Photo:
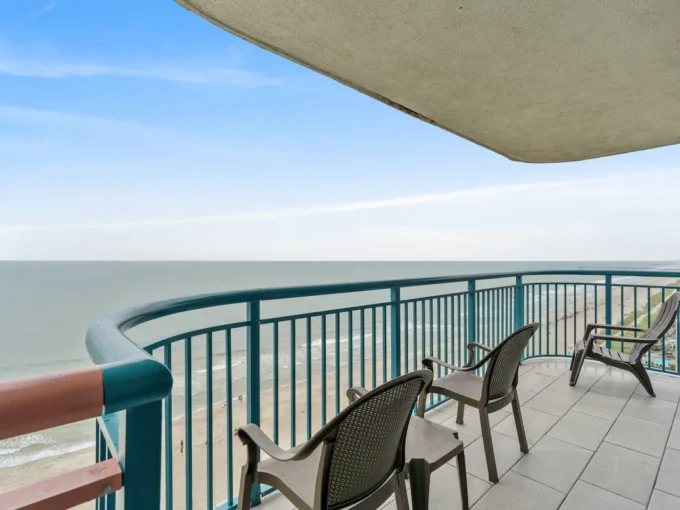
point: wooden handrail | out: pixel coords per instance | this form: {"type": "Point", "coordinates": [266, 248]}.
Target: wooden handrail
{"type": "Point", "coordinates": [67, 490]}
{"type": "Point", "coordinates": [38, 403]}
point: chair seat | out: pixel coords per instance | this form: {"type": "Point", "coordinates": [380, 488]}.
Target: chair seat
{"type": "Point", "coordinates": [601, 353]}
{"type": "Point", "coordinates": [431, 442]}
{"type": "Point", "coordinates": [461, 386]}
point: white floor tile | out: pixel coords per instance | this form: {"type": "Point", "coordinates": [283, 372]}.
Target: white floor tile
{"type": "Point", "coordinates": [601, 405]}
{"type": "Point", "coordinates": [668, 475]}
{"type": "Point", "coordinates": [505, 448]}
{"type": "Point", "coordinates": [516, 492]}
{"type": "Point", "coordinates": [581, 429]}
{"type": "Point", "coordinates": [651, 409]}
{"type": "Point", "coordinates": [624, 472]}
{"type": "Point", "coordinates": [554, 463]}
{"type": "Point", "coordinates": [662, 501]}
{"type": "Point", "coordinates": [585, 497]}
{"type": "Point", "coordinates": [639, 435]}
{"type": "Point", "coordinates": [536, 425]}
{"type": "Point", "coordinates": [553, 402]}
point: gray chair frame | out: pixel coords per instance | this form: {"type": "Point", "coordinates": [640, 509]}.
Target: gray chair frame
{"type": "Point", "coordinates": [589, 348]}
{"type": "Point", "coordinates": [290, 471]}
{"type": "Point", "coordinates": [428, 447]}
{"type": "Point", "coordinates": [486, 403]}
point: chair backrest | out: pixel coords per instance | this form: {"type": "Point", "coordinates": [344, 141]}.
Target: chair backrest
{"type": "Point", "coordinates": [367, 445]}
{"type": "Point", "coordinates": [502, 370]}
{"type": "Point", "coordinates": [663, 322]}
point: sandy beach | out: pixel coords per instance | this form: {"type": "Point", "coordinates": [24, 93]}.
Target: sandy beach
{"type": "Point", "coordinates": [569, 324]}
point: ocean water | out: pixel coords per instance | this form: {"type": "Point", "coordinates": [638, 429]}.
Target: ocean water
{"type": "Point", "coordinates": [46, 307]}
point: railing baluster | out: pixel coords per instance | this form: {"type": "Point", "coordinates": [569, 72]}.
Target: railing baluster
{"type": "Point", "coordinates": [459, 327]}
{"type": "Point", "coordinates": [362, 350]}
{"type": "Point", "coordinates": [374, 366]}
{"type": "Point", "coordinates": [275, 380]}
{"type": "Point", "coordinates": [230, 420]}
{"type": "Point", "coordinates": [337, 363]}
{"type": "Point", "coordinates": [415, 335]}
{"type": "Point", "coordinates": [350, 349]}
{"type": "Point", "coordinates": [406, 348]}
{"type": "Point", "coordinates": [293, 383]}
{"type": "Point", "coordinates": [188, 436]}
{"type": "Point", "coordinates": [557, 329]}
{"type": "Point", "coordinates": [608, 306]}
{"type": "Point", "coordinates": [309, 378]}
{"type": "Point", "coordinates": [663, 339]}
{"type": "Point", "coordinates": [470, 312]}
{"type": "Point", "coordinates": [209, 419]}
{"type": "Point", "coordinates": [323, 370]}
{"type": "Point", "coordinates": [253, 353]}
{"type": "Point", "coordinates": [395, 331]}
{"type": "Point", "coordinates": [384, 343]}
{"type": "Point", "coordinates": [167, 359]}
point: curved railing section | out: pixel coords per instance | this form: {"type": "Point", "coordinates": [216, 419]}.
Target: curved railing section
{"type": "Point", "coordinates": [286, 368]}
{"type": "Point", "coordinates": [283, 357]}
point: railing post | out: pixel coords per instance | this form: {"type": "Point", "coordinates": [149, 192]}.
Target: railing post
{"type": "Point", "coordinates": [140, 457]}
{"type": "Point", "coordinates": [471, 314]}
{"type": "Point", "coordinates": [253, 376]}
{"type": "Point", "coordinates": [519, 303]}
{"type": "Point", "coordinates": [395, 325]}
{"type": "Point", "coordinates": [608, 305]}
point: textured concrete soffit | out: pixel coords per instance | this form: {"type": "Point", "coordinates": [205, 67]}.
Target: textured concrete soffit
{"type": "Point", "coordinates": [534, 80]}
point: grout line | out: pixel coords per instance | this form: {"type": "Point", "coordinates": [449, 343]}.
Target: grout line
{"type": "Point", "coordinates": [664, 492]}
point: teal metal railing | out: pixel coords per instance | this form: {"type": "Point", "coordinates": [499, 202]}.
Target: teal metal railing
{"type": "Point", "coordinates": [288, 372]}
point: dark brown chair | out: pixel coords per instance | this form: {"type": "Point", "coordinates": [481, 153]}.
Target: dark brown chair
{"type": "Point", "coordinates": [358, 458]}
{"type": "Point", "coordinates": [589, 348]}
{"type": "Point", "coordinates": [488, 394]}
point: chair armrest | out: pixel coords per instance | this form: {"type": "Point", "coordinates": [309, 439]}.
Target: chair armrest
{"type": "Point", "coordinates": [471, 347]}
{"type": "Point", "coordinates": [252, 434]}
{"type": "Point", "coordinates": [627, 339]}
{"type": "Point", "coordinates": [591, 327]}
{"type": "Point", "coordinates": [429, 364]}
{"type": "Point", "coordinates": [355, 393]}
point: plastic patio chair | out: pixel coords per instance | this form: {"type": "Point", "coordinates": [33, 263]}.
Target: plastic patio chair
{"type": "Point", "coordinates": [589, 348]}
{"type": "Point", "coordinates": [358, 458]}
{"type": "Point", "coordinates": [428, 447]}
{"type": "Point", "coordinates": [488, 394]}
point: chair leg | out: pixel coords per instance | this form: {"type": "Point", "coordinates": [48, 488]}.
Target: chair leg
{"type": "Point", "coordinates": [577, 365]}
{"type": "Point", "coordinates": [246, 489]}
{"type": "Point", "coordinates": [461, 412]}
{"type": "Point", "coordinates": [419, 475]}
{"type": "Point", "coordinates": [488, 445]}
{"type": "Point", "coordinates": [643, 377]}
{"type": "Point", "coordinates": [519, 423]}
{"type": "Point", "coordinates": [422, 402]}
{"type": "Point", "coordinates": [462, 480]}
{"type": "Point", "coordinates": [400, 495]}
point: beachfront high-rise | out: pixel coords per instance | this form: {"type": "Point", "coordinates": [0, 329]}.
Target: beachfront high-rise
{"type": "Point", "coordinates": [537, 82]}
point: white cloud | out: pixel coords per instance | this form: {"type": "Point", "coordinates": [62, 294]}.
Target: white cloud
{"type": "Point", "coordinates": [46, 8]}
{"type": "Point", "coordinates": [304, 212]}
{"type": "Point", "coordinates": [567, 220]}
{"type": "Point", "coordinates": [52, 65]}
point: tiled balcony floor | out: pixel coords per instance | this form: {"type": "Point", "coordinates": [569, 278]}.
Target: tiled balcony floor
{"type": "Point", "coordinates": [604, 444]}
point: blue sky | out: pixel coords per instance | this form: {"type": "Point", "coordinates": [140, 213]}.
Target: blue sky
{"type": "Point", "coordinates": [137, 130]}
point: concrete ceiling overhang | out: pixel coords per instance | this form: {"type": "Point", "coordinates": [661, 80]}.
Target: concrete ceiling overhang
{"type": "Point", "coordinates": [535, 80]}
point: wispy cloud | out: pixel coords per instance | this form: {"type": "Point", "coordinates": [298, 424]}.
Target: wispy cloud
{"type": "Point", "coordinates": [47, 8]}
{"type": "Point", "coordinates": [303, 212]}
{"type": "Point", "coordinates": [55, 66]}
